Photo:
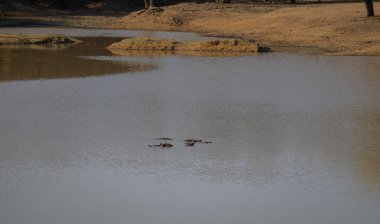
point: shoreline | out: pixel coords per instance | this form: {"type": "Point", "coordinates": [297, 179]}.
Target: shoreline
{"type": "Point", "coordinates": [327, 29]}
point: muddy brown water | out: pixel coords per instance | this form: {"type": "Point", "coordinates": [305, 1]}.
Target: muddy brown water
{"type": "Point", "coordinates": [296, 137]}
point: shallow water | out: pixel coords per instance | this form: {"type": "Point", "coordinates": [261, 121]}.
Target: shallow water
{"type": "Point", "coordinates": [295, 137]}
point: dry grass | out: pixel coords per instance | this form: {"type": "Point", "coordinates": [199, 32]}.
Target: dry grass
{"type": "Point", "coordinates": [340, 28]}
{"type": "Point", "coordinates": [32, 39]}
{"type": "Point", "coordinates": [157, 44]}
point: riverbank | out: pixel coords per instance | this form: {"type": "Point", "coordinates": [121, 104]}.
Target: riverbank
{"type": "Point", "coordinates": [337, 29]}
{"type": "Point", "coordinates": [37, 39]}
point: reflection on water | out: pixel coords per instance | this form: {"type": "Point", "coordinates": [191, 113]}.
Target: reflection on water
{"type": "Point", "coordinates": [367, 169]}
{"type": "Point", "coordinates": [366, 162]}
{"type": "Point", "coordinates": [62, 61]}
{"type": "Point", "coordinates": [295, 140]}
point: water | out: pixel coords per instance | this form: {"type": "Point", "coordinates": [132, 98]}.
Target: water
{"type": "Point", "coordinates": [295, 137]}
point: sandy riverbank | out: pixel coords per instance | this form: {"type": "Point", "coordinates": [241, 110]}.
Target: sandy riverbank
{"type": "Point", "coordinates": [340, 29]}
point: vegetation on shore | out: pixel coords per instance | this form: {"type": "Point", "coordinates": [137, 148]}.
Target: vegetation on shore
{"type": "Point", "coordinates": [157, 44]}
{"type": "Point", "coordinates": [31, 39]}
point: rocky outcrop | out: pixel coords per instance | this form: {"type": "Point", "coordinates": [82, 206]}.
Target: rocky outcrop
{"type": "Point", "coordinates": [228, 45]}
{"type": "Point", "coordinates": [156, 44]}
{"type": "Point", "coordinates": [35, 39]}
{"type": "Point", "coordinates": [142, 43]}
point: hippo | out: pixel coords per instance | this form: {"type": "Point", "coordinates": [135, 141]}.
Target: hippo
{"type": "Point", "coordinates": [162, 145]}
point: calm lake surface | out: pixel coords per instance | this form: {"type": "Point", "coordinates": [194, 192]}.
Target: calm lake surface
{"type": "Point", "coordinates": [296, 137]}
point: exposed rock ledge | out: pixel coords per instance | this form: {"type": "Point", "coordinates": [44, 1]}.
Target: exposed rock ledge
{"type": "Point", "coordinates": [30, 39]}
{"type": "Point", "coordinates": [156, 44]}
